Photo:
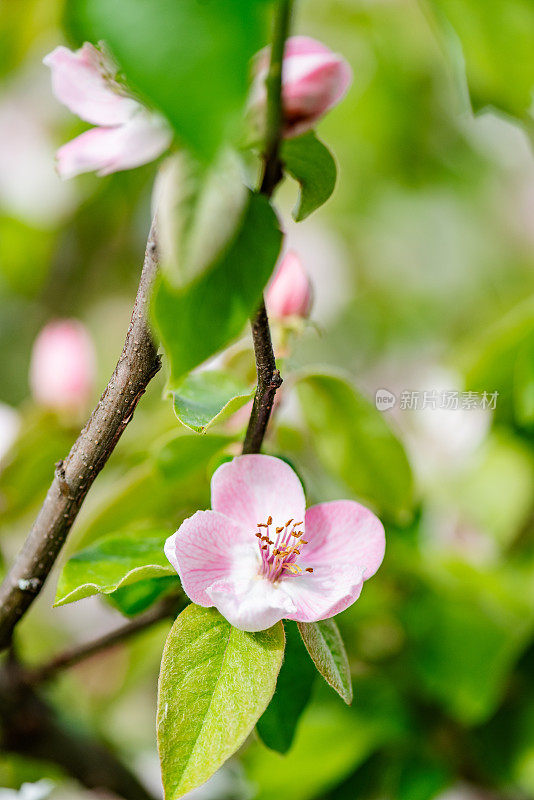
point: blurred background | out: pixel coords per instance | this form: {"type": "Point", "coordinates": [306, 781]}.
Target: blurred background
{"type": "Point", "coordinates": [423, 271]}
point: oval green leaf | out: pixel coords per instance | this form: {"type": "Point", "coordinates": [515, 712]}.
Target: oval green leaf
{"type": "Point", "coordinates": [215, 682]}
{"type": "Point", "coordinates": [206, 315]}
{"type": "Point", "coordinates": [324, 644]}
{"type": "Point", "coordinates": [205, 398]}
{"type": "Point", "coordinates": [311, 163]}
{"type": "Point", "coordinates": [112, 562]}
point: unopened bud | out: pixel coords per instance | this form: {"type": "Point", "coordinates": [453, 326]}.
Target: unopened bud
{"type": "Point", "coordinates": [62, 369]}
{"type": "Point", "coordinates": [289, 293]}
{"type": "Point", "coordinates": [314, 79]}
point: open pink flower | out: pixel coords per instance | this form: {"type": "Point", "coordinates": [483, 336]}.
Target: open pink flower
{"type": "Point", "coordinates": [289, 293]}
{"type": "Point", "coordinates": [314, 79]}
{"type": "Point", "coordinates": [259, 556]}
{"type": "Point", "coordinates": [128, 134]}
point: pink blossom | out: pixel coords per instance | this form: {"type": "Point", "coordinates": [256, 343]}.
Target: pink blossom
{"type": "Point", "coordinates": [289, 293]}
{"type": "Point", "coordinates": [127, 134]}
{"type": "Point", "coordinates": [259, 556]}
{"type": "Point", "coordinates": [314, 79]}
{"type": "Point", "coordinates": [62, 369]}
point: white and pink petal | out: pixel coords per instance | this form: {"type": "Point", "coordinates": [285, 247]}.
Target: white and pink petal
{"type": "Point", "coordinates": [105, 150]}
{"type": "Point", "coordinates": [251, 605]}
{"type": "Point", "coordinates": [251, 488]}
{"type": "Point", "coordinates": [343, 531]}
{"type": "Point", "coordinates": [330, 589]}
{"type": "Point", "coordinates": [207, 548]}
{"type": "Point", "coordinates": [80, 83]}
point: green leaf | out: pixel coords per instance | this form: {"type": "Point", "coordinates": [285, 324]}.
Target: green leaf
{"type": "Point", "coordinates": [311, 163]}
{"type": "Point", "coordinates": [194, 199]}
{"type": "Point", "coordinates": [215, 681]}
{"type": "Point", "coordinates": [356, 444]}
{"type": "Point", "coordinates": [208, 397]}
{"type": "Point", "coordinates": [497, 42]}
{"type": "Point", "coordinates": [189, 58]}
{"type": "Point", "coordinates": [112, 562]}
{"type": "Point", "coordinates": [188, 456]}
{"type": "Point", "coordinates": [278, 723]}
{"type": "Point", "coordinates": [332, 740]}
{"type": "Point", "coordinates": [324, 644]}
{"type": "Point", "coordinates": [137, 597]}
{"type": "Point", "coordinates": [197, 321]}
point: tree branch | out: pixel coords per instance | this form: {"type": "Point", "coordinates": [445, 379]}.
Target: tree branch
{"type": "Point", "coordinates": [169, 607]}
{"type": "Point", "coordinates": [137, 365]}
{"type": "Point", "coordinates": [269, 379]}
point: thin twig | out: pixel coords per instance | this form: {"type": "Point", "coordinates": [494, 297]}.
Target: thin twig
{"type": "Point", "coordinates": [269, 379]}
{"type": "Point", "coordinates": [166, 608]}
{"type": "Point", "coordinates": [73, 477]}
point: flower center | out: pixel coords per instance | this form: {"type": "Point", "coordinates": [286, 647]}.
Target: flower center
{"type": "Point", "coordinates": [279, 550]}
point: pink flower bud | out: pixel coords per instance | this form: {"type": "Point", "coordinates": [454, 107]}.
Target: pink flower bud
{"type": "Point", "coordinates": [63, 363]}
{"type": "Point", "coordinates": [313, 81]}
{"type": "Point", "coordinates": [290, 293]}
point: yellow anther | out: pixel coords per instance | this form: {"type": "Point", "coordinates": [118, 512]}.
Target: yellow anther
{"type": "Point", "coordinates": [309, 569]}
{"type": "Point", "coordinates": [294, 568]}
{"type": "Point", "coordinates": [270, 521]}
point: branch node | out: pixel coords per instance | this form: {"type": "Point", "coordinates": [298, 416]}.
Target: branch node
{"type": "Point", "coordinates": [64, 487]}
{"type": "Point", "coordinates": [31, 585]}
{"type": "Point", "coordinates": [276, 380]}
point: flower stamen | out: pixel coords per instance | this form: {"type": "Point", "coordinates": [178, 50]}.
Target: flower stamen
{"type": "Point", "coordinates": [278, 556]}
